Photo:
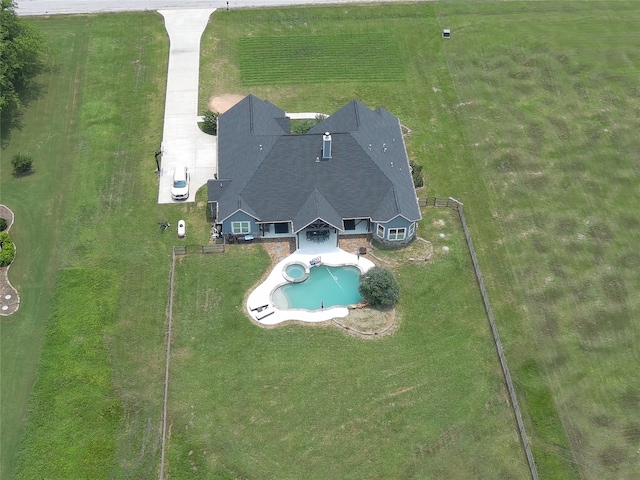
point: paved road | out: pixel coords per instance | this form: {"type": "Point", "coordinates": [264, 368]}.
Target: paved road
{"type": "Point", "coordinates": [54, 7]}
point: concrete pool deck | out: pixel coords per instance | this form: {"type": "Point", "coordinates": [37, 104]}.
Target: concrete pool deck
{"type": "Point", "coordinates": [261, 296]}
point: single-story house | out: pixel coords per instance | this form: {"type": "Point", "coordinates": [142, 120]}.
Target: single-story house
{"type": "Point", "coordinates": [348, 175]}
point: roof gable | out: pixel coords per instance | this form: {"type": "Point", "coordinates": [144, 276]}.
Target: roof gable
{"type": "Point", "coordinates": [316, 207]}
{"type": "Point", "coordinates": [347, 119]}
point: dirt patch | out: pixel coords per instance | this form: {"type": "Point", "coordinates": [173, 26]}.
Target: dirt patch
{"type": "Point", "coordinates": [418, 251]}
{"type": "Point", "coordinates": [438, 223]}
{"type": "Point", "coordinates": [611, 457]}
{"type": "Point", "coordinates": [222, 103]}
{"type": "Point", "coordinates": [368, 322]}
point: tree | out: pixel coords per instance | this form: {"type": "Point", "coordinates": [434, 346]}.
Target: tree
{"type": "Point", "coordinates": [22, 50]}
{"type": "Point", "coordinates": [22, 163]}
{"type": "Point", "coordinates": [379, 287]}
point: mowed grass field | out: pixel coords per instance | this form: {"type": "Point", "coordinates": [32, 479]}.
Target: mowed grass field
{"type": "Point", "coordinates": [91, 267]}
{"type": "Point", "coordinates": [315, 402]}
{"type": "Point", "coordinates": [373, 57]}
{"type": "Point", "coordinates": [36, 201]}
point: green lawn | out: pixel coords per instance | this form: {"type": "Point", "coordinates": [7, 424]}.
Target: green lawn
{"type": "Point", "coordinates": [38, 201]}
{"type": "Point", "coordinates": [314, 402]}
{"type": "Point", "coordinates": [374, 57]}
{"type": "Point", "coordinates": [87, 223]}
{"type": "Point", "coordinates": [529, 114]}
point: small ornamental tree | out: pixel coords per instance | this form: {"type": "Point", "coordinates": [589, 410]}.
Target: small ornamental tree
{"type": "Point", "coordinates": [7, 249]}
{"type": "Point", "coordinates": [303, 126]}
{"type": "Point", "coordinates": [379, 287]}
{"type": "Point", "coordinates": [22, 163]}
{"type": "Point", "coordinates": [416, 174]}
{"type": "Point", "coordinates": [210, 124]}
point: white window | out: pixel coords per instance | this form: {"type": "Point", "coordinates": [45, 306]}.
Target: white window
{"type": "Point", "coordinates": [397, 233]}
{"type": "Point", "coordinates": [240, 227]}
{"type": "Point", "coordinates": [412, 229]}
{"type": "Point", "coordinates": [380, 231]}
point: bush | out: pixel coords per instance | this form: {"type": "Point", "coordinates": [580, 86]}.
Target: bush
{"type": "Point", "coordinates": [8, 250]}
{"type": "Point", "coordinates": [3, 224]}
{"type": "Point", "coordinates": [303, 126]}
{"type": "Point", "coordinates": [22, 163]}
{"type": "Point", "coordinates": [416, 174]}
{"type": "Point", "coordinates": [210, 124]}
{"type": "Point", "coordinates": [379, 287]}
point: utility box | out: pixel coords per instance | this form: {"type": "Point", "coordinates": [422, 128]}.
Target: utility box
{"type": "Point", "coordinates": [446, 33]}
{"type": "Point", "coordinates": [182, 229]}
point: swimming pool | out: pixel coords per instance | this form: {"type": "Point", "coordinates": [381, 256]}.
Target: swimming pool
{"type": "Point", "coordinates": [295, 272]}
{"type": "Point", "coordinates": [325, 287]}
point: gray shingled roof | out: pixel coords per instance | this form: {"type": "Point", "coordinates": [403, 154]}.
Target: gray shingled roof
{"type": "Point", "coordinates": [276, 176]}
{"type": "Point", "coordinates": [316, 207]}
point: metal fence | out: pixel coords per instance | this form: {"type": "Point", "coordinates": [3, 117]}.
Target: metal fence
{"type": "Point", "coordinates": [438, 202]}
{"type": "Point", "coordinates": [213, 248]}
{"type": "Point", "coordinates": [457, 205]}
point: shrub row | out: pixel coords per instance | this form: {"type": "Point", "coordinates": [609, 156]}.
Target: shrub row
{"type": "Point", "coordinates": [8, 249]}
{"type": "Point", "coordinates": [416, 174]}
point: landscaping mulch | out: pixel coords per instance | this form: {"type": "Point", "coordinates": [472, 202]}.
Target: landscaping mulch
{"type": "Point", "coordinates": [9, 297]}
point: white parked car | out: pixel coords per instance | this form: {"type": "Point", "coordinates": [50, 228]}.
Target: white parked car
{"type": "Point", "coordinates": [180, 185]}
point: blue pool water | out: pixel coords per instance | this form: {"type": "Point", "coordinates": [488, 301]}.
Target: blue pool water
{"type": "Point", "coordinates": [328, 286]}
{"type": "Point", "coordinates": [295, 270]}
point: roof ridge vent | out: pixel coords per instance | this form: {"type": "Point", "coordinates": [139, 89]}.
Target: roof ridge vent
{"type": "Point", "coordinates": [326, 146]}
{"type": "Point", "coordinates": [251, 114]}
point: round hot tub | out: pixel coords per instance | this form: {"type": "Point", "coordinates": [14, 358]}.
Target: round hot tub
{"type": "Point", "coordinates": [295, 272]}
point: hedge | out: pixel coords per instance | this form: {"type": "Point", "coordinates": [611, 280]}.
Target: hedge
{"type": "Point", "coordinates": [8, 249]}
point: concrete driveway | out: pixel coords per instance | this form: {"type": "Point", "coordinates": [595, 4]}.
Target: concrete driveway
{"type": "Point", "coordinates": [183, 143]}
